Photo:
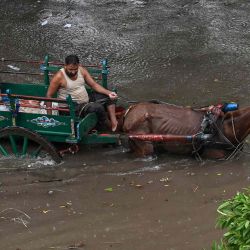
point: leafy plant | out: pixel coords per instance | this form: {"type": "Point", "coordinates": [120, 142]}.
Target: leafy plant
{"type": "Point", "coordinates": [234, 216]}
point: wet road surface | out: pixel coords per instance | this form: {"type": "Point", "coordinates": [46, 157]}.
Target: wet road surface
{"type": "Point", "coordinates": [183, 52]}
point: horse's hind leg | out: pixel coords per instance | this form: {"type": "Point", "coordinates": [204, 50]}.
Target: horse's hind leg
{"type": "Point", "coordinates": [141, 148]}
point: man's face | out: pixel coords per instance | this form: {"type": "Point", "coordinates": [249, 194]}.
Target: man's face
{"type": "Point", "coordinates": [71, 70]}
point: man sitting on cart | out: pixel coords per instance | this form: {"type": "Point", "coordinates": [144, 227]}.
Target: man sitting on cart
{"type": "Point", "coordinates": [70, 80]}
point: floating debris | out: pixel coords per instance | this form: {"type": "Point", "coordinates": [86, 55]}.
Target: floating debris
{"type": "Point", "coordinates": [138, 186]}
{"type": "Point", "coordinates": [166, 179]}
{"type": "Point", "coordinates": [195, 188]}
{"type": "Point", "coordinates": [44, 22]}
{"type": "Point", "coordinates": [13, 67]}
{"type": "Point", "coordinates": [68, 25]}
{"type": "Point", "coordinates": [46, 211]}
{"type": "Point", "coordinates": [109, 189]}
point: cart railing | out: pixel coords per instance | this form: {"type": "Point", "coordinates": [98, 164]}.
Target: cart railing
{"type": "Point", "coordinates": [20, 105]}
{"type": "Point", "coordinates": [14, 111]}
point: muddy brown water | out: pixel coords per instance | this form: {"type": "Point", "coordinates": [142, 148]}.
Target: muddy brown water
{"type": "Point", "coordinates": [183, 52]}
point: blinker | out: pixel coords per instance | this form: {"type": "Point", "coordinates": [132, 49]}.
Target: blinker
{"type": "Point", "coordinates": [230, 107]}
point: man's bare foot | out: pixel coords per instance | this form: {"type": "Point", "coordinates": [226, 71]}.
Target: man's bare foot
{"type": "Point", "coordinates": [114, 126]}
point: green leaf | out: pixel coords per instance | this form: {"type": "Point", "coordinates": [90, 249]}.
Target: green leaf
{"type": "Point", "coordinates": [234, 216]}
{"type": "Point", "coordinates": [227, 234]}
{"type": "Point", "coordinates": [109, 189]}
{"type": "Point", "coordinates": [224, 204]}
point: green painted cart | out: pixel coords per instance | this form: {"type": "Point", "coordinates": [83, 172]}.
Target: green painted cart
{"type": "Point", "coordinates": [25, 127]}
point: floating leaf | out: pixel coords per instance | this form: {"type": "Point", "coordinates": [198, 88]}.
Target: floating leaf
{"type": "Point", "coordinates": [46, 211]}
{"type": "Point", "coordinates": [109, 189]}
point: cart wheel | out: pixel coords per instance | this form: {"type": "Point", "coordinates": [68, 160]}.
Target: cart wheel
{"type": "Point", "coordinates": [22, 142]}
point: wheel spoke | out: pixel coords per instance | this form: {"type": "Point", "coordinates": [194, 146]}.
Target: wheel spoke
{"type": "Point", "coordinates": [25, 145]}
{"type": "Point", "coordinates": [13, 144]}
{"type": "Point", "coordinates": [3, 151]}
{"type": "Point", "coordinates": [37, 151]}
{"type": "Point", "coordinates": [22, 142]}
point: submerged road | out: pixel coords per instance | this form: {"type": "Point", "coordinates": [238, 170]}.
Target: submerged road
{"type": "Point", "coordinates": [191, 53]}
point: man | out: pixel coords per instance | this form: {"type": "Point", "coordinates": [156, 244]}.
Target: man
{"type": "Point", "coordinates": [70, 80]}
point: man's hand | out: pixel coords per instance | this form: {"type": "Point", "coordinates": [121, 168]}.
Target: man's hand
{"type": "Point", "coordinates": [113, 96]}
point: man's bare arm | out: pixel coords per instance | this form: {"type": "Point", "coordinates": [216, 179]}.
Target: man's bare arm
{"type": "Point", "coordinates": [95, 86]}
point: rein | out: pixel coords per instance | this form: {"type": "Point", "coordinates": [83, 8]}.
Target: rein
{"type": "Point", "coordinates": [236, 148]}
{"type": "Point", "coordinates": [209, 125]}
{"type": "Point", "coordinates": [232, 121]}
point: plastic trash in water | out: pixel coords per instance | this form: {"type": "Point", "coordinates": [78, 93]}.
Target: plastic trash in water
{"type": "Point", "coordinates": [44, 22]}
{"type": "Point", "coordinates": [68, 25]}
{"type": "Point", "coordinates": [13, 67]}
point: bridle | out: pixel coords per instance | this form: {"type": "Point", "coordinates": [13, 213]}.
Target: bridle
{"type": "Point", "coordinates": [236, 148]}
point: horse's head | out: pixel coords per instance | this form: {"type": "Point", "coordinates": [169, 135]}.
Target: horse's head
{"type": "Point", "coordinates": [236, 125]}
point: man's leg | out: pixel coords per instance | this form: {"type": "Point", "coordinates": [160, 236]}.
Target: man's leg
{"type": "Point", "coordinates": [104, 100]}
{"type": "Point", "coordinates": [100, 112]}
{"type": "Point", "coordinates": [112, 116]}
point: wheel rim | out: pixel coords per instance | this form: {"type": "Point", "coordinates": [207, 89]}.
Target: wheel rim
{"type": "Point", "coordinates": [22, 142]}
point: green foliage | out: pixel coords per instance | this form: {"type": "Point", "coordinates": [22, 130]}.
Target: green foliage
{"type": "Point", "coordinates": [234, 216]}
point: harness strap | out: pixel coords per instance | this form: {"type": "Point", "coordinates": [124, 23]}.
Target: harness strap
{"type": "Point", "coordinates": [232, 120]}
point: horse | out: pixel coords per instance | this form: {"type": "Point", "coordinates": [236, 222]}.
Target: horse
{"type": "Point", "coordinates": [227, 131]}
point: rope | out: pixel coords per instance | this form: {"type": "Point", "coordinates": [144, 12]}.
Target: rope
{"type": "Point", "coordinates": [238, 148]}
{"type": "Point", "coordinates": [224, 137]}
{"type": "Point", "coordinates": [196, 150]}
{"type": "Point", "coordinates": [126, 99]}
{"type": "Point", "coordinates": [152, 101]}
{"type": "Point", "coordinates": [232, 120]}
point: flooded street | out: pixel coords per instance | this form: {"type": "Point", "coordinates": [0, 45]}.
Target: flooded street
{"type": "Point", "coordinates": [102, 206]}
{"type": "Point", "coordinates": [191, 53]}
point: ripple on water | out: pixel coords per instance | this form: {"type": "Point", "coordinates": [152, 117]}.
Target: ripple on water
{"type": "Point", "coordinates": [12, 163]}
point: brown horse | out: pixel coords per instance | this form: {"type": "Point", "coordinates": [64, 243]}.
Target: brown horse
{"type": "Point", "coordinates": [228, 132]}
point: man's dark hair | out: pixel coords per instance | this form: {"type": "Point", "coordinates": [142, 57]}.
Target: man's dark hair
{"type": "Point", "coordinates": [72, 59]}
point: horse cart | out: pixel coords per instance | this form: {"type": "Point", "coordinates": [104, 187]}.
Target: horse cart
{"type": "Point", "coordinates": [25, 127]}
